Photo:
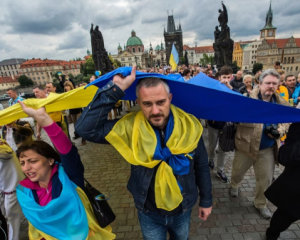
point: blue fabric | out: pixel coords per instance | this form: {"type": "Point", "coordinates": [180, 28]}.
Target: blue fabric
{"type": "Point", "coordinates": [63, 218]}
{"type": "Point", "coordinates": [179, 163]}
{"type": "Point", "coordinates": [296, 93]}
{"type": "Point", "coordinates": [266, 141]}
{"type": "Point", "coordinates": [155, 226]}
{"type": "Point", "coordinates": [207, 98]}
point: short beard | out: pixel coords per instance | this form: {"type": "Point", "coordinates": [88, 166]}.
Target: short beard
{"type": "Point", "coordinates": [158, 125]}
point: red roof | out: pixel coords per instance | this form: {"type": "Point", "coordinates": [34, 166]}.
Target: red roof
{"type": "Point", "coordinates": [8, 79]}
{"type": "Point", "coordinates": [282, 42]}
{"type": "Point", "coordinates": [203, 49]}
{"type": "Point", "coordinates": [47, 62]}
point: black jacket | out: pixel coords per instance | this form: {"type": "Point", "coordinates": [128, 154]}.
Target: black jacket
{"type": "Point", "coordinates": [243, 90]}
{"type": "Point", "coordinates": [285, 191]}
{"type": "Point", "coordinates": [237, 84]}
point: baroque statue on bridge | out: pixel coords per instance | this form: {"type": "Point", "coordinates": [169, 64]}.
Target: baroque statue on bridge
{"type": "Point", "coordinates": [223, 45]}
{"type": "Point", "coordinates": [99, 54]}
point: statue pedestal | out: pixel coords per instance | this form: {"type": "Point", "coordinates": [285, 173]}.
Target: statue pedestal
{"type": "Point", "coordinates": [233, 67]}
{"type": "Point", "coordinates": [223, 54]}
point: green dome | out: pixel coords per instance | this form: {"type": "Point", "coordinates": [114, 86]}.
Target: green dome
{"type": "Point", "coordinates": [134, 40]}
{"type": "Point", "coordinates": [157, 47]}
{"type": "Point", "coordinates": [119, 47]}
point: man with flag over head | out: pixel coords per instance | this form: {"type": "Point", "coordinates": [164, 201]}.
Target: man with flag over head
{"type": "Point", "coordinates": [165, 148]}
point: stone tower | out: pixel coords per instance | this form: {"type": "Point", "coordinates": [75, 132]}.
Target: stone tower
{"type": "Point", "coordinates": [173, 35]}
{"type": "Point", "coordinates": [269, 31]}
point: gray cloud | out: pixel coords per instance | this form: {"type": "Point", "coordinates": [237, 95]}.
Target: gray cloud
{"type": "Point", "coordinates": [60, 29]}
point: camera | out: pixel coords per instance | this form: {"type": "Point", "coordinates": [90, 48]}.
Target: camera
{"type": "Point", "coordinates": [272, 130]}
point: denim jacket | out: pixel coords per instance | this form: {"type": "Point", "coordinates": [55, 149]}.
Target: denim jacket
{"type": "Point", "coordinates": [94, 126]}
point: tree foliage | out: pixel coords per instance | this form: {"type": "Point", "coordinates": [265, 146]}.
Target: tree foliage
{"type": "Point", "coordinates": [25, 81]}
{"type": "Point", "coordinates": [235, 64]}
{"type": "Point", "coordinates": [257, 67]}
{"type": "Point", "coordinates": [207, 60]}
{"type": "Point", "coordinates": [88, 67]}
{"type": "Point", "coordinates": [181, 60]}
{"type": "Point", "coordinates": [57, 85]}
{"type": "Point", "coordinates": [71, 76]}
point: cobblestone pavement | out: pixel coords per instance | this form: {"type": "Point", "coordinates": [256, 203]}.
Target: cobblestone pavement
{"type": "Point", "coordinates": [231, 219]}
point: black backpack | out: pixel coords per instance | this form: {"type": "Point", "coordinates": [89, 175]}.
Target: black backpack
{"type": "Point", "coordinates": [226, 137]}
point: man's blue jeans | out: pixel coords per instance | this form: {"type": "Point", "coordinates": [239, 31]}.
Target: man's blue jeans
{"type": "Point", "coordinates": [155, 226]}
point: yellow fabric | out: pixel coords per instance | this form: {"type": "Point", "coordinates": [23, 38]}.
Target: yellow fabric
{"type": "Point", "coordinates": [56, 116]}
{"type": "Point", "coordinates": [172, 62]}
{"type": "Point", "coordinates": [75, 98]}
{"type": "Point", "coordinates": [135, 140]}
{"type": "Point", "coordinates": [283, 89]}
{"type": "Point", "coordinates": [95, 231]}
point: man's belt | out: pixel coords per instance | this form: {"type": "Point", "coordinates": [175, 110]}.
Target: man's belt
{"type": "Point", "coordinates": [8, 193]}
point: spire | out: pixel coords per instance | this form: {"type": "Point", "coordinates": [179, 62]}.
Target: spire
{"type": "Point", "coordinates": [269, 18]}
{"type": "Point", "coordinates": [171, 24]}
{"type": "Point", "coordinates": [180, 27]}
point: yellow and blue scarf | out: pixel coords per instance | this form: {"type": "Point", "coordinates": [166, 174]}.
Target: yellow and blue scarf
{"type": "Point", "coordinates": [67, 217]}
{"type": "Point", "coordinates": [136, 140]}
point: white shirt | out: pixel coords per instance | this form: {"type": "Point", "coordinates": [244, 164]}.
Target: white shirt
{"type": "Point", "coordinates": [1, 107]}
{"type": "Point", "coordinates": [10, 139]}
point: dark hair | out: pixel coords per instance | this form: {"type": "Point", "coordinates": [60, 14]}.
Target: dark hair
{"type": "Point", "coordinates": [186, 72]}
{"type": "Point", "coordinates": [217, 75]}
{"type": "Point", "coordinates": [39, 147]}
{"type": "Point", "coordinates": [51, 84]}
{"type": "Point", "coordinates": [290, 75]}
{"type": "Point", "coordinates": [225, 70]}
{"type": "Point", "coordinates": [39, 87]}
{"type": "Point", "coordinates": [11, 89]}
{"type": "Point", "coordinates": [277, 63]}
{"type": "Point", "coordinates": [151, 82]}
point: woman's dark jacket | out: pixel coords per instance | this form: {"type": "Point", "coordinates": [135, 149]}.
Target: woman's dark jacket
{"type": "Point", "coordinates": [285, 191]}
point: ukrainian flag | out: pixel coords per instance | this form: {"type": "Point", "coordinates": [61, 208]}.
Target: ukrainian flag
{"type": "Point", "coordinates": [174, 58]}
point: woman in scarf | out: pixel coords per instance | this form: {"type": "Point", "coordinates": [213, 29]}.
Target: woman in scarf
{"type": "Point", "coordinates": [51, 196]}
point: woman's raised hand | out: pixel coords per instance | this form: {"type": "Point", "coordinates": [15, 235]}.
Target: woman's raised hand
{"type": "Point", "coordinates": [40, 115]}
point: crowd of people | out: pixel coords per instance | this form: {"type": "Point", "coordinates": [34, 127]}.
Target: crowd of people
{"type": "Point", "coordinates": [170, 167]}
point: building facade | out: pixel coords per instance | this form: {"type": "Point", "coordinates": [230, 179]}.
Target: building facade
{"type": "Point", "coordinates": [157, 56]}
{"type": "Point", "coordinates": [11, 67]}
{"type": "Point", "coordinates": [8, 82]}
{"type": "Point", "coordinates": [41, 71]}
{"type": "Point", "coordinates": [173, 35]}
{"type": "Point", "coordinates": [286, 51]}
{"type": "Point", "coordinates": [196, 53]}
{"type": "Point", "coordinates": [250, 55]}
{"type": "Point", "coordinates": [133, 53]}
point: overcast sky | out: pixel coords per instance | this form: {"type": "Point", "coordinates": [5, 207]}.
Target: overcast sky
{"type": "Point", "coordinates": [59, 29]}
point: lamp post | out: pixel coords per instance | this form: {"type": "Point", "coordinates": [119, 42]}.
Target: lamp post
{"type": "Point", "coordinates": [135, 60]}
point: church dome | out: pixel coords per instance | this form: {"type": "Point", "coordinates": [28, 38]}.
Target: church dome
{"type": "Point", "coordinates": [134, 40]}
{"type": "Point", "coordinates": [119, 47]}
{"type": "Point", "coordinates": [157, 47]}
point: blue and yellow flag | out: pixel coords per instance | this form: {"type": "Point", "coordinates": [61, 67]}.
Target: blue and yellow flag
{"type": "Point", "coordinates": [174, 58]}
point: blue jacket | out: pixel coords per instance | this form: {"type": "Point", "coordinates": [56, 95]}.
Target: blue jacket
{"type": "Point", "coordinates": [94, 126]}
{"type": "Point", "coordinates": [296, 93]}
